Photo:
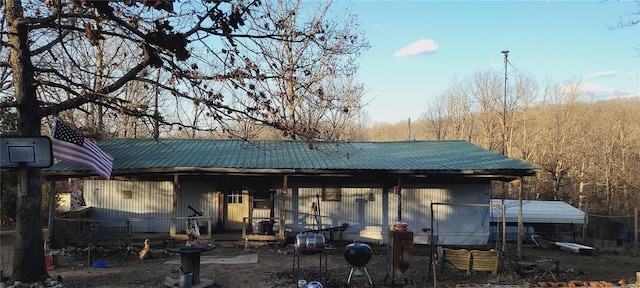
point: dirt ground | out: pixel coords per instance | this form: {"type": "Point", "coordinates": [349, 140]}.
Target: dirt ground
{"type": "Point", "coordinates": [275, 268]}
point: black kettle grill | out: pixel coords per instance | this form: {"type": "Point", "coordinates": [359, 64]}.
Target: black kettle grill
{"type": "Point", "coordinates": [358, 255]}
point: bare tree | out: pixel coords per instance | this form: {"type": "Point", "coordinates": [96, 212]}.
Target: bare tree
{"type": "Point", "coordinates": [485, 89]}
{"type": "Point", "coordinates": [436, 118]}
{"type": "Point", "coordinates": [388, 132]}
{"type": "Point", "coordinates": [560, 131]}
{"type": "Point", "coordinates": [193, 42]}
{"type": "Point", "coordinates": [522, 129]}
{"type": "Point", "coordinates": [611, 156]}
{"type": "Point", "coordinates": [309, 81]}
{"type": "Point", "coordinates": [587, 149]}
{"type": "Point", "coordinates": [450, 114]}
{"type": "Point", "coordinates": [631, 18]}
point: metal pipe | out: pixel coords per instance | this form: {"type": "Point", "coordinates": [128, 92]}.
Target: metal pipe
{"type": "Point", "coordinates": [504, 105]}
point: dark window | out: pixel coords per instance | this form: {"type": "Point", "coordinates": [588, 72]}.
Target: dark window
{"type": "Point", "coordinates": [332, 193]}
{"type": "Point", "coordinates": [235, 197]}
{"type": "Point", "coordinates": [262, 200]}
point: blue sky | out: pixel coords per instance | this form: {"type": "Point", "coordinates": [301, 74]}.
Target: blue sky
{"type": "Point", "coordinates": [419, 47]}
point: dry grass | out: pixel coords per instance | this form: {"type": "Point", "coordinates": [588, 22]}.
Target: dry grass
{"type": "Point", "coordinates": [274, 269]}
{"type": "Point", "coordinates": [601, 266]}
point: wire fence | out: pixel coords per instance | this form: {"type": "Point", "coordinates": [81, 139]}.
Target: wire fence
{"type": "Point", "coordinates": [611, 228]}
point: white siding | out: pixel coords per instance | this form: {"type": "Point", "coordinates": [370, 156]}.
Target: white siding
{"type": "Point", "coordinates": [368, 211]}
{"type": "Point", "coordinates": [203, 197]}
{"type": "Point", "coordinates": [461, 225]}
{"type": "Point", "coordinates": [453, 225]}
{"type": "Point", "coordinates": [370, 220]}
{"type": "Point", "coordinates": [305, 219]}
{"type": "Point", "coordinates": [363, 216]}
{"type": "Point", "coordinates": [150, 204]}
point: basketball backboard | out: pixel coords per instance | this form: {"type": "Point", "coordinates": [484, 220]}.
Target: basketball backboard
{"type": "Point", "coordinates": [35, 152]}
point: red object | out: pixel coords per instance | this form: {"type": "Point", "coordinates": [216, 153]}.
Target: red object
{"type": "Point", "coordinates": [71, 146]}
{"type": "Point", "coordinates": [47, 262]}
{"type": "Point", "coordinates": [396, 190]}
{"type": "Point", "coordinates": [400, 226]}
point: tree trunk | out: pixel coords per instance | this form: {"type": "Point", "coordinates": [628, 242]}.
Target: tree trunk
{"type": "Point", "coordinates": [28, 254]}
{"type": "Point", "coordinates": [28, 264]}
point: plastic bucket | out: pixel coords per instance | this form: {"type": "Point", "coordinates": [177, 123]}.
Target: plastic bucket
{"type": "Point", "coordinates": [186, 280]}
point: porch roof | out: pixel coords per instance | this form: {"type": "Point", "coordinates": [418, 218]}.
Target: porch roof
{"type": "Point", "coordinates": [290, 157]}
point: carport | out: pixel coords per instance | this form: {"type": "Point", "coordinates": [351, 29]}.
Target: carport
{"type": "Point", "coordinates": [538, 211]}
{"type": "Point", "coordinates": [549, 218]}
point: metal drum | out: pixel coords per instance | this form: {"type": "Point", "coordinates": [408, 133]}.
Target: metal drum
{"type": "Point", "coordinates": [310, 243]}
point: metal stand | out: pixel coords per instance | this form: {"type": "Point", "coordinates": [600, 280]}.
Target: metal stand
{"type": "Point", "coordinates": [296, 262]}
{"type": "Point", "coordinates": [399, 256]}
{"type": "Point", "coordinates": [359, 271]}
{"type": "Point", "coordinates": [190, 262]}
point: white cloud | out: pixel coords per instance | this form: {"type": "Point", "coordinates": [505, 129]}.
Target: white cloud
{"type": "Point", "coordinates": [420, 47]}
{"type": "Point", "coordinates": [600, 91]}
{"type": "Point", "coordinates": [605, 73]}
{"type": "Point", "coordinates": [596, 88]}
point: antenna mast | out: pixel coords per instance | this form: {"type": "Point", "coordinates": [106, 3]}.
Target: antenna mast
{"type": "Point", "coordinates": [409, 128]}
{"type": "Point", "coordinates": [504, 105]}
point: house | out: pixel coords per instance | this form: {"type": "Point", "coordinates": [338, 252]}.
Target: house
{"type": "Point", "coordinates": [359, 187]}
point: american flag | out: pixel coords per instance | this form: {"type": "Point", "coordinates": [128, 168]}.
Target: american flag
{"type": "Point", "coordinates": [71, 146]}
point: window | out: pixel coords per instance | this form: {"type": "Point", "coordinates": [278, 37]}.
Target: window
{"type": "Point", "coordinates": [332, 193]}
{"type": "Point", "coordinates": [262, 204]}
{"type": "Point", "coordinates": [235, 197]}
{"type": "Point", "coordinates": [127, 194]}
{"type": "Point", "coordinates": [262, 200]}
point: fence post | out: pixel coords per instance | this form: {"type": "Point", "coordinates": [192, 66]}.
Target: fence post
{"type": "Point", "coordinates": [635, 232]}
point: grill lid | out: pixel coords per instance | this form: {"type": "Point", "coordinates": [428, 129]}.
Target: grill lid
{"type": "Point", "coordinates": [357, 254]}
{"type": "Point", "coordinates": [358, 248]}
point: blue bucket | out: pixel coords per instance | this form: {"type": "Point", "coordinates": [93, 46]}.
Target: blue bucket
{"type": "Point", "coordinates": [99, 264]}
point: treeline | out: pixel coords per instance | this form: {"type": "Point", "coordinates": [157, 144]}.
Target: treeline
{"type": "Point", "coordinates": [588, 151]}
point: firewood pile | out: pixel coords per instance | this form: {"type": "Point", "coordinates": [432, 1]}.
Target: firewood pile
{"type": "Point", "coordinates": [574, 283]}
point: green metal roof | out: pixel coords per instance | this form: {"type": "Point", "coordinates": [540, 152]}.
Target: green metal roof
{"type": "Point", "coordinates": [194, 154]}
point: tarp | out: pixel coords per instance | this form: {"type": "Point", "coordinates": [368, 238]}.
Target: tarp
{"type": "Point", "coordinates": [536, 211]}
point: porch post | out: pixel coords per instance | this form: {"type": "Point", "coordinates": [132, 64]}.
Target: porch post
{"type": "Point", "coordinates": [52, 210]}
{"type": "Point", "coordinates": [636, 231]}
{"type": "Point", "coordinates": [174, 206]}
{"type": "Point", "coordinates": [399, 199]}
{"type": "Point", "coordinates": [520, 224]}
{"type": "Point", "coordinates": [285, 187]}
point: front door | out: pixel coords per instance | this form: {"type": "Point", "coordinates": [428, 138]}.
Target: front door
{"type": "Point", "coordinates": [237, 208]}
